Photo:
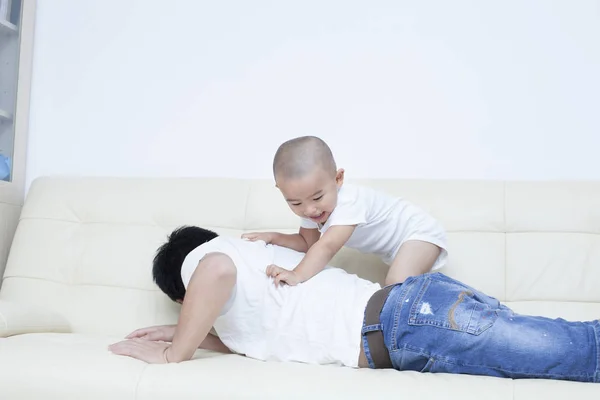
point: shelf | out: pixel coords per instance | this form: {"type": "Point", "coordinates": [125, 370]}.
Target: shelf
{"type": "Point", "coordinates": [5, 116]}
{"type": "Point", "coordinates": [7, 27]}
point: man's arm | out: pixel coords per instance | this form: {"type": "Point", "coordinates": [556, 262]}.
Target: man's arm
{"type": "Point", "coordinates": [165, 333]}
{"type": "Point", "coordinates": [213, 343]}
{"type": "Point", "coordinates": [209, 289]}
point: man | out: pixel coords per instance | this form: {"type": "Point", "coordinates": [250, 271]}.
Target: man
{"type": "Point", "coordinates": [429, 323]}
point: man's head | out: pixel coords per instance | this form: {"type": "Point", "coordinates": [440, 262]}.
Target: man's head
{"type": "Point", "coordinates": [306, 174]}
{"type": "Point", "coordinates": [169, 258]}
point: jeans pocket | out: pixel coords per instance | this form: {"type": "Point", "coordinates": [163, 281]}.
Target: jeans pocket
{"type": "Point", "coordinates": [452, 306]}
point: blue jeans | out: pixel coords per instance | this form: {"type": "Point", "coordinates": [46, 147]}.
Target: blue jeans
{"type": "Point", "coordinates": [433, 323]}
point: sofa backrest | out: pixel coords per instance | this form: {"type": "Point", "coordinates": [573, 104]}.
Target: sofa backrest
{"type": "Point", "coordinates": [10, 209]}
{"type": "Point", "coordinates": [84, 246]}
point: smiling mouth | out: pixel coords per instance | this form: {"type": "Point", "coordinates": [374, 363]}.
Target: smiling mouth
{"type": "Point", "coordinates": [318, 217]}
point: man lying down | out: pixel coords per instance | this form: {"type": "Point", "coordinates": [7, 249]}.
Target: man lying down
{"type": "Point", "coordinates": [428, 323]}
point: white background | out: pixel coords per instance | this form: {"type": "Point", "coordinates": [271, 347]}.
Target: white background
{"type": "Point", "coordinates": [400, 89]}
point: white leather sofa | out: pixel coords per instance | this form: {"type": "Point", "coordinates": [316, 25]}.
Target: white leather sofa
{"type": "Point", "coordinates": [79, 278]}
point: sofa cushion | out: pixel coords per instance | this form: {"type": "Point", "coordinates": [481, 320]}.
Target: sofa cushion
{"type": "Point", "coordinates": [17, 318]}
{"type": "Point", "coordinates": [77, 366]}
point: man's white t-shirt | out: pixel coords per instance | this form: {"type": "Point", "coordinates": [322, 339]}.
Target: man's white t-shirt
{"type": "Point", "coordinates": [318, 321]}
{"type": "Point", "coordinates": [383, 222]}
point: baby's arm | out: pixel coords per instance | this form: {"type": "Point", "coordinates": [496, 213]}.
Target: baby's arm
{"type": "Point", "coordinates": [317, 257]}
{"type": "Point", "coordinates": [322, 251]}
{"type": "Point", "coordinates": [301, 241]}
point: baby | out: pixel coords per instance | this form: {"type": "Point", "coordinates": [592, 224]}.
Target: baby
{"type": "Point", "coordinates": [334, 214]}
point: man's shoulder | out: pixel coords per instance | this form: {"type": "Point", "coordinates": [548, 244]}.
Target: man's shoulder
{"type": "Point", "coordinates": [218, 244]}
{"type": "Point", "coordinates": [212, 245]}
{"type": "Point", "coordinates": [227, 244]}
{"type": "Point", "coordinates": [241, 251]}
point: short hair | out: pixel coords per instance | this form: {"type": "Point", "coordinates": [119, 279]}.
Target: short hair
{"type": "Point", "coordinates": [166, 269]}
{"type": "Point", "coordinates": [299, 156]}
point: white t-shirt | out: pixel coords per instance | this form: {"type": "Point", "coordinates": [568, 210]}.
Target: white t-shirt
{"type": "Point", "coordinates": [383, 222]}
{"type": "Point", "coordinates": [317, 322]}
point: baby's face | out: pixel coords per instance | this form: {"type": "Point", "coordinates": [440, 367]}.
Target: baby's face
{"type": "Point", "coordinates": [313, 196]}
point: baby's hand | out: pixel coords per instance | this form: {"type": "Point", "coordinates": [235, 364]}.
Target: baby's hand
{"type": "Point", "coordinates": [267, 237]}
{"type": "Point", "coordinates": [282, 275]}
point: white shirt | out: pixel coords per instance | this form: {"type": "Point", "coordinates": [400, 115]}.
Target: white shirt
{"type": "Point", "coordinates": [383, 222]}
{"type": "Point", "coordinates": [317, 322]}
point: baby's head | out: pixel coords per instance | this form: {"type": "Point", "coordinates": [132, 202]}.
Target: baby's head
{"type": "Point", "coordinates": [306, 174]}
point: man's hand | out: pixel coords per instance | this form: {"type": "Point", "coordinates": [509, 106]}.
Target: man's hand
{"type": "Point", "coordinates": [162, 333]}
{"type": "Point", "coordinates": [267, 237]}
{"type": "Point", "coordinates": [283, 275]}
{"type": "Point", "coordinates": [145, 350]}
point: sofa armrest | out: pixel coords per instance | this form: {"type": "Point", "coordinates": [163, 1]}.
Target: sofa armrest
{"type": "Point", "coordinates": [16, 319]}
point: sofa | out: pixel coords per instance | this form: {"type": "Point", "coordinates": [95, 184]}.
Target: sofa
{"type": "Point", "coordinates": [78, 278]}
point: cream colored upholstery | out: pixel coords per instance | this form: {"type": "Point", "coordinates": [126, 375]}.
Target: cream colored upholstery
{"type": "Point", "coordinates": [10, 209]}
{"type": "Point", "coordinates": [18, 318]}
{"type": "Point", "coordinates": [82, 257]}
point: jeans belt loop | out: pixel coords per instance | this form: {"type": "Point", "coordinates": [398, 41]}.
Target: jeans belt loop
{"type": "Point", "coordinates": [379, 353]}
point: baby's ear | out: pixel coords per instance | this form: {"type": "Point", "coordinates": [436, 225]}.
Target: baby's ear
{"type": "Point", "coordinates": [339, 177]}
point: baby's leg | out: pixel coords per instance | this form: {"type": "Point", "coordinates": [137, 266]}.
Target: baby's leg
{"type": "Point", "coordinates": [415, 257]}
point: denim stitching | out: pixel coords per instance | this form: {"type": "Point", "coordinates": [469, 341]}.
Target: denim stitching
{"type": "Point", "coordinates": [397, 310]}
{"type": "Point", "coordinates": [595, 329]}
{"type": "Point", "coordinates": [448, 325]}
{"type": "Point", "coordinates": [556, 376]}
{"type": "Point", "coordinates": [367, 352]}
{"type": "Point", "coordinates": [413, 309]}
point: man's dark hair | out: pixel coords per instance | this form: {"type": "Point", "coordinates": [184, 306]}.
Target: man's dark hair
{"type": "Point", "coordinates": [169, 258]}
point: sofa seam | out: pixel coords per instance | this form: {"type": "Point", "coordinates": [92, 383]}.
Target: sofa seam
{"type": "Point", "coordinates": [513, 387]}
{"type": "Point", "coordinates": [283, 227]}
{"type": "Point", "coordinates": [6, 203]}
{"type": "Point", "coordinates": [3, 319]}
{"type": "Point", "coordinates": [137, 384]}
{"type": "Point", "coordinates": [76, 284]}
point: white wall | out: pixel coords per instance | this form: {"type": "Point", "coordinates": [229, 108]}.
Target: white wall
{"type": "Point", "coordinates": [408, 89]}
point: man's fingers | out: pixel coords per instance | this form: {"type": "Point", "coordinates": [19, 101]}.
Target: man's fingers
{"type": "Point", "coordinates": [142, 332]}
{"type": "Point", "coordinates": [132, 348]}
{"type": "Point", "coordinates": [150, 336]}
{"type": "Point", "coordinates": [137, 333]}
{"type": "Point", "coordinates": [128, 349]}
{"type": "Point", "coordinates": [118, 348]}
